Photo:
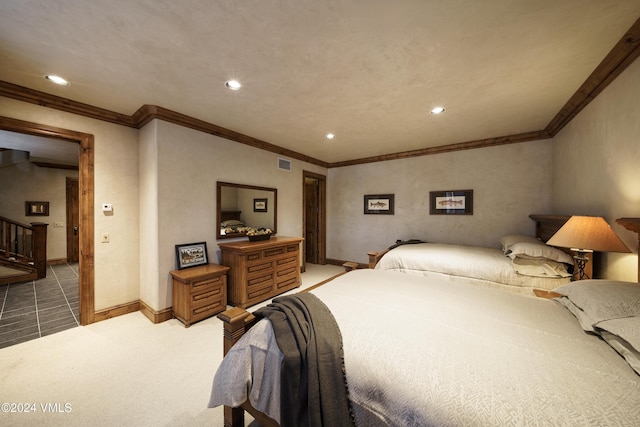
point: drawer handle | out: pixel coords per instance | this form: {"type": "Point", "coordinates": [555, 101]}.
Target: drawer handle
{"type": "Point", "coordinates": [253, 257]}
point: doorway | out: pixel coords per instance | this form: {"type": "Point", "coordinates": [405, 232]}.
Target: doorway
{"type": "Point", "coordinates": [314, 218]}
{"type": "Point", "coordinates": [73, 219]}
{"type": "Point", "coordinates": [85, 142]}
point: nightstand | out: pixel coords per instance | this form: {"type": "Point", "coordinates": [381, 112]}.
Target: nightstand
{"type": "Point", "coordinates": [199, 292]}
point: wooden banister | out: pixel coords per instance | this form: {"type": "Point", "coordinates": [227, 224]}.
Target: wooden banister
{"type": "Point", "coordinates": [24, 244]}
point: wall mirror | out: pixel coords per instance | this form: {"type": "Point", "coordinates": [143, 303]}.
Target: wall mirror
{"type": "Point", "coordinates": [240, 206]}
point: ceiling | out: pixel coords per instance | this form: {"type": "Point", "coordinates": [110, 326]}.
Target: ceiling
{"type": "Point", "coordinates": [368, 71]}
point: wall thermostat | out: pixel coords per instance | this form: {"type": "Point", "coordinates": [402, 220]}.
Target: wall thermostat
{"type": "Point", "coordinates": [106, 207]}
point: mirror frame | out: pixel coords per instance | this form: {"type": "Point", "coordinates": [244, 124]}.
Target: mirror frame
{"type": "Point", "coordinates": [219, 185]}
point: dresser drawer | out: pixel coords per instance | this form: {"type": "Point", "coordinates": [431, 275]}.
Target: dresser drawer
{"type": "Point", "coordinates": [274, 252]}
{"type": "Point", "coordinates": [291, 261]}
{"type": "Point", "coordinates": [259, 267]}
{"type": "Point", "coordinates": [206, 311]}
{"type": "Point", "coordinates": [287, 281]}
{"type": "Point", "coordinates": [209, 296]}
{"type": "Point", "coordinates": [201, 285]}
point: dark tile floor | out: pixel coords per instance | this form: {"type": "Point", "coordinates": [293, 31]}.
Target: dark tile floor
{"type": "Point", "coordinates": [34, 309]}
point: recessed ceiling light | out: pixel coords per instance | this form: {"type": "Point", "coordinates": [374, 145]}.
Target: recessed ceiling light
{"type": "Point", "coordinates": [437, 110]}
{"type": "Point", "coordinates": [57, 80]}
{"type": "Point", "coordinates": [330, 136]}
{"type": "Point", "coordinates": [233, 84]}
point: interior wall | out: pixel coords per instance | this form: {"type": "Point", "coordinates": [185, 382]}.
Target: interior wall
{"type": "Point", "coordinates": [596, 165]}
{"type": "Point", "coordinates": [27, 182]}
{"type": "Point", "coordinates": [189, 165]}
{"type": "Point", "coordinates": [115, 182]}
{"type": "Point", "coordinates": [148, 202]}
{"type": "Point", "coordinates": [509, 183]}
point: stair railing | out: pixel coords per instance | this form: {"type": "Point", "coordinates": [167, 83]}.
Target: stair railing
{"type": "Point", "coordinates": [24, 244]}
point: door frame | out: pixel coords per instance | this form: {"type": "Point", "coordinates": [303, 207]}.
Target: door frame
{"type": "Point", "coordinates": [322, 216]}
{"type": "Point", "coordinates": [86, 143]}
{"type": "Point", "coordinates": [72, 214]}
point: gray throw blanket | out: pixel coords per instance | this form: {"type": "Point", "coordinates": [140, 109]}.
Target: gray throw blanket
{"type": "Point", "coordinates": [314, 389]}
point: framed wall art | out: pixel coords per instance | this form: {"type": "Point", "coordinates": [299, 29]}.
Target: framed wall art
{"type": "Point", "coordinates": [380, 204]}
{"type": "Point", "coordinates": [454, 202]}
{"type": "Point", "coordinates": [260, 205]}
{"type": "Point", "coordinates": [37, 208]}
{"type": "Point", "coordinates": [191, 255]}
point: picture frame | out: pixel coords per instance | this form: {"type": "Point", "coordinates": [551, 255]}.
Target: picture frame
{"type": "Point", "coordinates": [191, 255]}
{"type": "Point", "coordinates": [379, 204]}
{"type": "Point", "coordinates": [36, 208]}
{"type": "Point", "coordinates": [260, 205]}
{"type": "Point", "coordinates": [452, 202]}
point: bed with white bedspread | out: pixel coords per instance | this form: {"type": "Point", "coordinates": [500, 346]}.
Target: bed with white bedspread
{"type": "Point", "coordinates": [458, 355]}
{"type": "Point", "coordinates": [479, 265]}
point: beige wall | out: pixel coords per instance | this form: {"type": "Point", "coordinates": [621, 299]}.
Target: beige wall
{"type": "Point", "coordinates": [509, 183]}
{"type": "Point", "coordinates": [116, 182]}
{"type": "Point", "coordinates": [596, 165]}
{"type": "Point", "coordinates": [26, 182]}
{"type": "Point", "coordinates": [188, 164]}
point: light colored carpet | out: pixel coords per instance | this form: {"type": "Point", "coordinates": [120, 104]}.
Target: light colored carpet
{"type": "Point", "coordinates": [124, 371]}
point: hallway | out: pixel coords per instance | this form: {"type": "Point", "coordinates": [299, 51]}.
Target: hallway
{"type": "Point", "coordinates": [34, 309]}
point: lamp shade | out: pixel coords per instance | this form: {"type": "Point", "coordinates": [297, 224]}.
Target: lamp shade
{"type": "Point", "coordinates": [588, 233]}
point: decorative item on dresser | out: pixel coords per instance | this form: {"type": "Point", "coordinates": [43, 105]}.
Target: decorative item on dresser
{"type": "Point", "coordinates": [260, 270]}
{"type": "Point", "coordinates": [199, 292]}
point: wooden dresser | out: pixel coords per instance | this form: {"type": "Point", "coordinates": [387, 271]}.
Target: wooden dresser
{"type": "Point", "coordinates": [261, 270]}
{"type": "Point", "coordinates": [199, 292]}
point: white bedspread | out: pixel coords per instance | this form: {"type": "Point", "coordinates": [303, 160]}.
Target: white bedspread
{"type": "Point", "coordinates": [473, 264]}
{"type": "Point", "coordinates": [422, 352]}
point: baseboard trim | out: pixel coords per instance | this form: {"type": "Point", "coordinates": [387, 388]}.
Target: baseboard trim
{"type": "Point", "coordinates": [117, 310]}
{"type": "Point", "coordinates": [56, 261]}
{"type": "Point", "coordinates": [154, 315]}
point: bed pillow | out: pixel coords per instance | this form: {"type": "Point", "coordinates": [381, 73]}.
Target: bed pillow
{"type": "Point", "coordinates": [538, 250]}
{"type": "Point", "coordinates": [604, 299]}
{"type": "Point", "coordinates": [510, 239]}
{"type": "Point", "coordinates": [231, 223]}
{"type": "Point", "coordinates": [624, 336]}
{"type": "Point", "coordinates": [539, 267]}
{"type": "Point", "coordinates": [585, 321]}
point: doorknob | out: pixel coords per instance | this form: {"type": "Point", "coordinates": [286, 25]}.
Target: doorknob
{"type": "Point", "coordinates": [75, 230]}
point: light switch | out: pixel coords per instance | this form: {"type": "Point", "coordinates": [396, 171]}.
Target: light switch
{"type": "Point", "coordinates": [105, 237]}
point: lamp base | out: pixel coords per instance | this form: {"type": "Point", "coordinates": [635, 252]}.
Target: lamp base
{"type": "Point", "coordinates": [581, 259]}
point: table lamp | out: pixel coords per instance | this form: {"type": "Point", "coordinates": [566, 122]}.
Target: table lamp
{"type": "Point", "coordinates": [584, 234]}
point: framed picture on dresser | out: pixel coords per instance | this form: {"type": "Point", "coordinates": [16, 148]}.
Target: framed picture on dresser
{"type": "Point", "coordinates": [191, 255]}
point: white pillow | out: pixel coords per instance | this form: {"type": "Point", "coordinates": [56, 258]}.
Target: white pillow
{"type": "Point", "coordinates": [604, 299]}
{"type": "Point", "coordinates": [539, 267]}
{"type": "Point", "coordinates": [538, 250]}
{"type": "Point", "coordinates": [624, 336]}
{"type": "Point", "coordinates": [510, 239]}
